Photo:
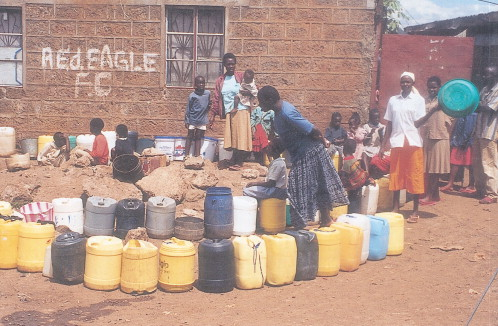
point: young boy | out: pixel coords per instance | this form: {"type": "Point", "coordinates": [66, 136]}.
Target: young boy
{"type": "Point", "coordinates": [100, 150]}
{"type": "Point", "coordinates": [336, 134]}
{"type": "Point", "coordinates": [374, 137]}
{"type": "Point", "coordinates": [56, 152]}
{"type": "Point", "coordinates": [123, 145]}
{"type": "Point", "coordinates": [353, 176]}
{"type": "Point", "coordinates": [196, 115]}
{"type": "Point", "coordinates": [275, 185]}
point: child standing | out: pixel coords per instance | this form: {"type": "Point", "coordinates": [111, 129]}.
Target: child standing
{"type": "Point", "coordinates": [56, 152]}
{"type": "Point", "coordinates": [373, 138]}
{"type": "Point", "coordinates": [123, 145]}
{"type": "Point", "coordinates": [353, 176]}
{"type": "Point", "coordinates": [357, 133]}
{"type": "Point", "coordinates": [275, 185]}
{"type": "Point", "coordinates": [336, 134]}
{"type": "Point", "coordinates": [196, 115]}
{"type": "Point", "coordinates": [100, 150]}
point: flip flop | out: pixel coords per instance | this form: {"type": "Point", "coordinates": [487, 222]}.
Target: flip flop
{"type": "Point", "coordinates": [468, 191]}
{"type": "Point", "coordinates": [412, 219]}
{"type": "Point", "coordinates": [427, 203]}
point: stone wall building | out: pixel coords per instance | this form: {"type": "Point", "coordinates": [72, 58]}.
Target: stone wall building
{"type": "Point", "coordinates": [64, 62]}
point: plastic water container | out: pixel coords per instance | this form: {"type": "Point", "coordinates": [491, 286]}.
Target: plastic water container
{"type": "Point", "coordinates": [363, 222]}
{"type": "Point", "coordinates": [85, 141]}
{"type": "Point", "coordinates": [33, 239]}
{"type": "Point", "coordinates": [99, 216]}
{"type": "Point", "coordinates": [218, 213]}
{"type": "Point", "coordinates": [379, 238]}
{"type": "Point", "coordinates": [329, 251]}
{"type": "Point", "coordinates": [396, 232]}
{"type": "Point", "coordinates": [272, 215]}
{"type": "Point", "coordinates": [103, 263]}
{"type": "Point", "coordinates": [68, 257]}
{"type": "Point", "coordinates": [48, 270]}
{"type": "Point", "coordinates": [307, 254]}
{"type": "Point", "coordinates": [166, 145]}
{"type": "Point", "coordinates": [176, 265]}
{"type": "Point", "coordinates": [385, 201]}
{"type": "Point", "coordinates": [30, 146]}
{"type": "Point", "coordinates": [133, 138]}
{"type": "Point", "coordinates": [245, 210]}
{"type": "Point", "coordinates": [144, 143]}
{"type": "Point", "coordinates": [281, 259]}
{"type": "Point", "coordinates": [338, 211]}
{"type": "Point", "coordinates": [110, 136]}
{"type": "Point", "coordinates": [7, 141]}
{"type": "Point", "coordinates": [69, 212]}
{"type": "Point", "coordinates": [351, 244]}
{"type": "Point", "coordinates": [139, 267]}
{"type": "Point", "coordinates": [9, 240]}
{"type": "Point", "coordinates": [402, 197]}
{"type": "Point", "coordinates": [130, 214]}
{"type": "Point", "coordinates": [208, 148]}
{"type": "Point", "coordinates": [250, 262]}
{"type": "Point", "coordinates": [179, 151]}
{"type": "Point", "coordinates": [43, 140]}
{"type": "Point", "coordinates": [36, 211]}
{"type": "Point", "coordinates": [160, 220]}
{"type": "Point", "coordinates": [216, 266]}
{"type": "Point", "coordinates": [5, 208]}
{"type": "Point", "coordinates": [223, 154]}
{"type": "Point", "coordinates": [369, 199]}
{"type": "Point", "coordinates": [72, 142]}
{"type": "Point", "coordinates": [288, 220]}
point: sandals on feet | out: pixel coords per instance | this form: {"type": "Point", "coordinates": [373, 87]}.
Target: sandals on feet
{"type": "Point", "coordinates": [412, 219]}
{"type": "Point", "coordinates": [427, 202]}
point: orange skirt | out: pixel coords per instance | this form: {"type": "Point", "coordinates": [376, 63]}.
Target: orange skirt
{"type": "Point", "coordinates": [407, 169]}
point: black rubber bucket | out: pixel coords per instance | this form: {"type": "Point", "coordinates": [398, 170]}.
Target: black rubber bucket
{"type": "Point", "coordinates": [127, 168]}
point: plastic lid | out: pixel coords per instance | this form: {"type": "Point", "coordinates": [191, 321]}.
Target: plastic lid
{"type": "Point", "coordinates": [458, 98]}
{"type": "Point", "coordinates": [69, 238]}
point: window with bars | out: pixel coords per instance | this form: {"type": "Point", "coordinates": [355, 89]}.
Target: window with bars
{"type": "Point", "coordinates": [10, 46]}
{"type": "Point", "coordinates": [194, 44]}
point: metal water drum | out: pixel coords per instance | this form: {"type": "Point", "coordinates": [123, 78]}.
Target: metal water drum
{"type": "Point", "coordinates": [103, 263]}
{"type": "Point", "coordinates": [307, 254]}
{"type": "Point", "coordinates": [363, 222]}
{"type": "Point", "coordinates": [99, 216]}
{"type": "Point", "coordinates": [177, 265]}
{"type": "Point", "coordinates": [329, 251]}
{"type": "Point", "coordinates": [34, 237]}
{"type": "Point", "coordinates": [139, 267]}
{"type": "Point", "coordinates": [245, 210]}
{"type": "Point", "coordinates": [160, 217]}
{"type": "Point", "coordinates": [68, 257]}
{"type": "Point", "coordinates": [218, 213]}
{"type": "Point", "coordinates": [458, 98]}
{"type": "Point", "coordinates": [281, 259]}
{"type": "Point", "coordinates": [379, 238]}
{"type": "Point", "coordinates": [189, 228]}
{"type": "Point", "coordinates": [9, 240]}
{"type": "Point", "coordinates": [216, 266]}
{"type": "Point", "coordinates": [250, 262]}
{"type": "Point", "coordinates": [30, 146]}
{"type": "Point", "coordinates": [130, 214]}
{"type": "Point", "coordinates": [69, 212]}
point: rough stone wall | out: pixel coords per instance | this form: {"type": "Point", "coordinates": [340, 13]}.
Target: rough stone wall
{"type": "Point", "coordinates": [318, 53]}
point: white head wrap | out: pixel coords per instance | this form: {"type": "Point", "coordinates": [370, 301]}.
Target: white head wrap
{"type": "Point", "coordinates": [409, 74]}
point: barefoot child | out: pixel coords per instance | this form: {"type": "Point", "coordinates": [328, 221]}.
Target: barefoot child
{"type": "Point", "coordinates": [56, 152]}
{"type": "Point", "coordinates": [100, 149]}
{"type": "Point", "coordinates": [196, 116]}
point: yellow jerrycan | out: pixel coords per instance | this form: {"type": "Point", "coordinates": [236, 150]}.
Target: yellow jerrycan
{"type": "Point", "coordinates": [351, 245]}
{"type": "Point", "coordinates": [9, 240]}
{"type": "Point", "coordinates": [385, 201]}
{"type": "Point", "coordinates": [250, 262]}
{"type": "Point", "coordinates": [329, 251]}
{"type": "Point", "coordinates": [5, 208]}
{"type": "Point", "coordinates": [281, 259]}
{"type": "Point", "coordinates": [177, 265]}
{"type": "Point", "coordinates": [103, 263]}
{"type": "Point", "coordinates": [140, 267]}
{"type": "Point", "coordinates": [338, 211]}
{"type": "Point", "coordinates": [272, 215]}
{"type": "Point", "coordinates": [396, 232]}
{"type": "Point", "coordinates": [34, 237]}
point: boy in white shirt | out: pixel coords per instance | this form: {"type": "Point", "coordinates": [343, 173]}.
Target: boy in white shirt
{"type": "Point", "coordinates": [56, 152]}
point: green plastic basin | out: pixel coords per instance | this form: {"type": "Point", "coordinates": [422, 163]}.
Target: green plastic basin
{"type": "Point", "coordinates": [458, 98]}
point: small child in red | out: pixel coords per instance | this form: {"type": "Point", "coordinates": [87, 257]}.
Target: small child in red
{"type": "Point", "coordinates": [100, 149]}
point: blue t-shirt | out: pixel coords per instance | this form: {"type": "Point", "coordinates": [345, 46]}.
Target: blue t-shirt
{"type": "Point", "coordinates": [331, 134]}
{"type": "Point", "coordinates": [197, 109]}
{"type": "Point", "coordinates": [294, 131]}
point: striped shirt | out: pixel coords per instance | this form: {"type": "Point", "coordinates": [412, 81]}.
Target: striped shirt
{"type": "Point", "coordinates": [487, 119]}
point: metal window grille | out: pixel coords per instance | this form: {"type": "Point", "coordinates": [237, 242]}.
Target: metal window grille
{"type": "Point", "coordinates": [194, 44]}
{"type": "Point", "coordinates": [11, 46]}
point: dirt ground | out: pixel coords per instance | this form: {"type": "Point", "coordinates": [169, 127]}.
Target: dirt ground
{"type": "Point", "coordinates": [423, 286]}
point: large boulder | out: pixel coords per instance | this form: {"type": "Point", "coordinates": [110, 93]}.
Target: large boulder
{"type": "Point", "coordinates": [110, 188]}
{"type": "Point", "coordinates": [164, 181]}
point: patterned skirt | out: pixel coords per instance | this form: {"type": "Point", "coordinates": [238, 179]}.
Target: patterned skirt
{"type": "Point", "coordinates": [314, 184]}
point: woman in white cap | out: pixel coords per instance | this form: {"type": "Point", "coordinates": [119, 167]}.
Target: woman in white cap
{"type": "Point", "coordinates": [404, 114]}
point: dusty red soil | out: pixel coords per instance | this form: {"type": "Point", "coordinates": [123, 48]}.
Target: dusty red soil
{"type": "Point", "coordinates": [423, 286]}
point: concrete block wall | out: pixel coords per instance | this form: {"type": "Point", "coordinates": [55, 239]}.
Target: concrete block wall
{"type": "Point", "coordinates": [108, 60]}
